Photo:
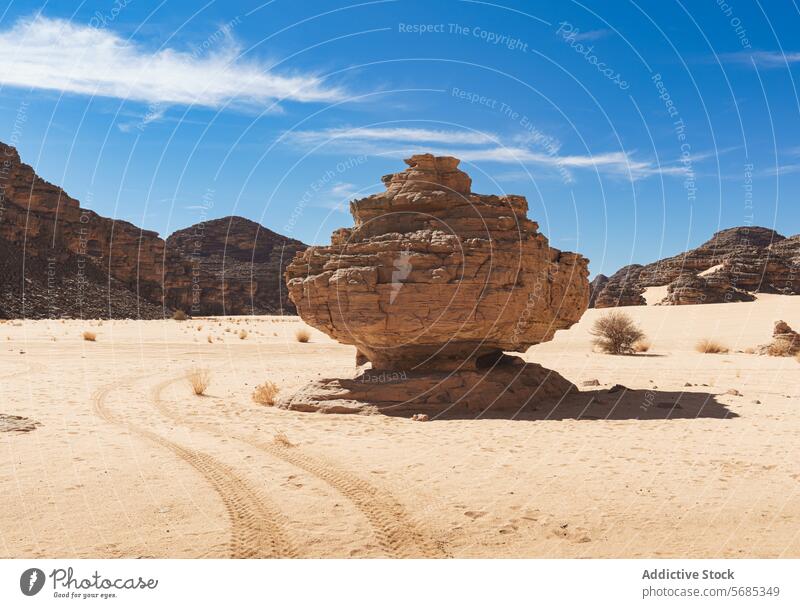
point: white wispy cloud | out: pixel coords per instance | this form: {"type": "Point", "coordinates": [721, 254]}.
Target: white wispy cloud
{"type": "Point", "coordinates": [338, 196]}
{"type": "Point", "coordinates": [394, 134]}
{"type": "Point", "coordinates": [592, 35]}
{"type": "Point", "coordinates": [485, 147]}
{"type": "Point", "coordinates": [55, 54]}
{"type": "Point", "coordinates": [763, 59]}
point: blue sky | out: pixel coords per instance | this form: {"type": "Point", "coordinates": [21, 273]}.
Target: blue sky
{"type": "Point", "coordinates": [635, 129]}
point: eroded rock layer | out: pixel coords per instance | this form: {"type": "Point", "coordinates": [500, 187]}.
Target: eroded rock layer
{"type": "Point", "coordinates": [736, 260]}
{"type": "Point", "coordinates": [433, 276]}
{"type": "Point", "coordinates": [62, 260]}
{"type": "Point", "coordinates": [511, 386]}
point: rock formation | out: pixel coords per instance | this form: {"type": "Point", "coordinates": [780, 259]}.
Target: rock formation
{"type": "Point", "coordinates": [785, 341]}
{"type": "Point", "coordinates": [712, 289]}
{"type": "Point", "coordinates": [61, 260]}
{"type": "Point", "coordinates": [621, 289]}
{"type": "Point", "coordinates": [229, 266]}
{"type": "Point", "coordinates": [596, 285]}
{"type": "Point", "coordinates": [433, 278]}
{"type": "Point", "coordinates": [744, 259]}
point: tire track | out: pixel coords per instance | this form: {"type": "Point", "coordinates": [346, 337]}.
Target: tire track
{"type": "Point", "coordinates": [393, 529]}
{"type": "Point", "coordinates": [255, 532]}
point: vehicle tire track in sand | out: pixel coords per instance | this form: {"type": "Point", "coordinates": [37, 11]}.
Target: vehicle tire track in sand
{"type": "Point", "coordinates": [255, 532]}
{"type": "Point", "coordinates": [393, 529]}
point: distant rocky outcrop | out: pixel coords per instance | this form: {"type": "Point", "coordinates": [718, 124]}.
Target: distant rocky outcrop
{"type": "Point", "coordinates": [596, 285]}
{"type": "Point", "coordinates": [229, 266]}
{"type": "Point", "coordinates": [785, 341]}
{"type": "Point", "coordinates": [61, 260]}
{"type": "Point", "coordinates": [727, 268]}
{"type": "Point", "coordinates": [713, 289]}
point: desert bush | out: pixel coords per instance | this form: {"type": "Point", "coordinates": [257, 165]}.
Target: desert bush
{"type": "Point", "coordinates": [179, 315]}
{"type": "Point", "coordinates": [302, 335]}
{"type": "Point", "coordinates": [615, 333]}
{"type": "Point", "coordinates": [242, 334]}
{"type": "Point", "coordinates": [642, 345]}
{"type": "Point", "coordinates": [265, 393]}
{"type": "Point", "coordinates": [780, 348]}
{"type": "Point", "coordinates": [89, 336]}
{"type": "Point", "coordinates": [281, 439]}
{"type": "Point", "coordinates": [710, 346]}
{"type": "Point", "coordinates": [198, 379]}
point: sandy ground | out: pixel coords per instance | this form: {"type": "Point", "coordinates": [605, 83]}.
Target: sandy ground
{"type": "Point", "coordinates": [127, 462]}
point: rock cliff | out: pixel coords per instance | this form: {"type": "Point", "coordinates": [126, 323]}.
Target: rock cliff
{"type": "Point", "coordinates": [63, 260]}
{"type": "Point", "coordinates": [724, 269]}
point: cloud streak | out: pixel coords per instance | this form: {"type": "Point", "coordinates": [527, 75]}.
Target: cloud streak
{"type": "Point", "coordinates": [485, 147]}
{"type": "Point", "coordinates": [58, 55]}
{"type": "Point", "coordinates": [763, 59]}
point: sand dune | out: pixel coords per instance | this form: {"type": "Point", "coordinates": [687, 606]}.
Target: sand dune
{"type": "Point", "coordinates": [127, 462]}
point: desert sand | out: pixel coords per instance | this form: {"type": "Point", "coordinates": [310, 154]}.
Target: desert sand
{"type": "Point", "coordinates": [127, 462]}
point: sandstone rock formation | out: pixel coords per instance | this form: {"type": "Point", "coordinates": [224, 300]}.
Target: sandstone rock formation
{"type": "Point", "coordinates": [46, 223]}
{"type": "Point", "coordinates": [596, 285]}
{"type": "Point", "coordinates": [434, 276]}
{"type": "Point", "coordinates": [785, 341]}
{"type": "Point", "coordinates": [713, 289]}
{"type": "Point", "coordinates": [229, 266]}
{"type": "Point", "coordinates": [511, 384]}
{"type": "Point", "coordinates": [434, 282]}
{"type": "Point", "coordinates": [61, 260]}
{"type": "Point", "coordinates": [743, 259]}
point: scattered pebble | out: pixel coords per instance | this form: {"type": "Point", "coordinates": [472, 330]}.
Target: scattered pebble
{"type": "Point", "coordinates": [734, 392]}
{"type": "Point", "coordinates": [420, 417]}
{"type": "Point", "coordinates": [594, 382]}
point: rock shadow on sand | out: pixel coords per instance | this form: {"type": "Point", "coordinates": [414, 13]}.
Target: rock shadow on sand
{"type": "Point", "coordinates": [510, 389]}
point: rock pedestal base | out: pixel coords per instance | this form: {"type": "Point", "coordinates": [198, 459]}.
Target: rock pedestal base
{"type": "Point", "coordinates": [508, 387]}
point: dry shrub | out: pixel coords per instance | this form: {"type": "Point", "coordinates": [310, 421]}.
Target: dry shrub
{"type": "Point", "coordinates": [242, 334]}
{"type": "Point", "coordinates": [199, 379]}
{"type": "Point", "coordinates": [89, 336]}
{"type": "Point", "coordinates": [281, 439]}
{"type": "Point", "coordinates": [710, 346]}
{"type": "Point", "coordinates": [780, 348]}
{"type": "Point", "coordinates": [302, 335]}
{"type": "Point", "coordinates": [265, 393]}
{"type": "Point", "coordinates": [179, 315]}
{"type": "Point", "coordinates": [749, 351]}
{"type": "Point", "coordinates": [642, 345]}
{"type": "Point", "coordinates": [615, 333]}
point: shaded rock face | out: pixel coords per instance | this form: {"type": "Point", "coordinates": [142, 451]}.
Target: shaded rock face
{"type": "Point", "coordinates": [751, 259]}
{"type": "Point", "coordinates": [60, 260]}
{"type": "Point", "coordinates": [596, 285]}
{"type": "Point", "coordinates": [713, 289]}
{"type": "Point", "coordinates": [511, 385]}
{"type": "Point", "coordinates": [45, 222]}
{"type": "Point", "coordinates": [621, 289]}
{"type": "Point", "coordinates": [435, 277]}
{"type": "Point", "coordinates": [229, 266]}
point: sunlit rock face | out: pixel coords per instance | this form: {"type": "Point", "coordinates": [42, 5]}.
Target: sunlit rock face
{"type": "Point", "coordinates": [433, 276]}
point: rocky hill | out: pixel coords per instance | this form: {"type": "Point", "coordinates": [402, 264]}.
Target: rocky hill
{"type": "Point", "coordinates": [229, 264]}
{"type": "Point", "coordinates": [729, 267]}
{"type": "Point", "coordinates": [61, 260]}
